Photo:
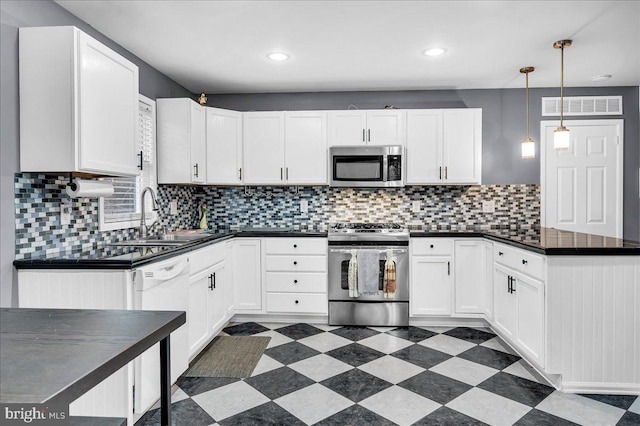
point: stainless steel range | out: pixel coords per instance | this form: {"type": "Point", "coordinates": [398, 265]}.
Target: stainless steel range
{"type": "Point", "coordinates": [349, 242]}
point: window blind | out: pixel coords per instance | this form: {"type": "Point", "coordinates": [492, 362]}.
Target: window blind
{"type": "Point", "coordinates": [124, 204]}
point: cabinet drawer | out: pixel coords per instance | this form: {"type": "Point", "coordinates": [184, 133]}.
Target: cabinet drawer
{"type": "Point", "coordinates": [208, 256]}
{"type": "Point", "coordinates": [432, 246]}
{"type": "Point", "coordinates": [503, 255]}
{"type": "Point", "coordinates": [296, 246]}
{"type": "Point", "coordinates": [529, 263]}
{"type": "Point", "coordinates": [297, 263]}
{"type": "Point", "coordinates": [297, 282]}
{"type": "Point", "coordinates": [303, 303]}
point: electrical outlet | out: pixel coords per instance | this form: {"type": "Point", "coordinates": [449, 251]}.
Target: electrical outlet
{"type": "Point", "coordinates": [65, 211]}
{"type": "Point", "coordinates": [304, 206]}
{"type": "Point", "coordinates": [488, 206]}
{"type": "Point", "coordinates": [174, 207]}
{"type": "Point", "coordinates": [415, 206]}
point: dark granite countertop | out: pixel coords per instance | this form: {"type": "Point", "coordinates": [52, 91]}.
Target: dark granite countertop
{"type": "Point", "coordinates": [122, 257]}
{"type": "Point", "coordinates": [548, 241]}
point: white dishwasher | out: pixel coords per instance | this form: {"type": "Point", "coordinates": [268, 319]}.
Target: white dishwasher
{"type": "Point", "coordinates": [162, 286]}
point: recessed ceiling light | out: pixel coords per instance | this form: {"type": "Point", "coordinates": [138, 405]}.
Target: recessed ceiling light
{"type": "Point", "coordinates": [602, 77]}
{"type": "Point", "coordinates": [278, 56]}
{"type": "Point", "coordinates": [436, 51]}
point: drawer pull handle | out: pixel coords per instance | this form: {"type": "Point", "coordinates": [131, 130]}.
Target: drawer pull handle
{"type": "Point", "coordinates": [524, 262]}
{"type": "Point", "coordinates": [295, 262]}
{"type": "Point", "coordinates": [297, 302]}
{"type": "Point", "coordinates": [500, 253]}
{"type": "Point", "coordinates": [295, 281]}
{"type": "Point", "coordinates": [295, 246]}
{"type": "Point", "coordinates": [431, 246]}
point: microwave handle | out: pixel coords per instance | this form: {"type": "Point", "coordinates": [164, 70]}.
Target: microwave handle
{"type": "Point", "coordinates": [385, 168]}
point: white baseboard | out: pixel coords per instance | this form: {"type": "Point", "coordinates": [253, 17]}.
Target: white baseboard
{"type": "Point", "coordinates": [601, 388]}
{"type": "Point", "coordinates": [448, 322]}
{"type": "Point", "coordinates": [280, 318]}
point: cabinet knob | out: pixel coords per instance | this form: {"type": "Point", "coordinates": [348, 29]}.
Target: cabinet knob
{"type": "Point", "coordinates": [524, 262]}
{"type": "Point", "coordinates": [500, 253]}
{"type": "Point", "coordinates": [295, 262]}
{"type": "Point", "coordinates": [295, 281]}
{"type": "Point", "coordinates": [295, 246]}
{"type": "Point", "coordinates": [297, 302]}
{"type": "Point", "coordinates": [431, 246]}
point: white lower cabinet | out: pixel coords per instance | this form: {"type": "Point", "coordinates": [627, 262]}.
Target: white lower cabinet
{"type": "Point", "coordinates": [519, 303]}
{"type": "Point", "coordinates": [431, 285]}
{"type": "Point", "coordinates": [296, 275]}
{"type": "Point", "coordinates": [197, 314]}
{"type": "Point", "coordinates": [247, 275]}
{"type": "Point", "coordinates": [470, 264]}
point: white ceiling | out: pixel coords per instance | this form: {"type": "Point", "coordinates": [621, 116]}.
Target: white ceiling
{"type": "Point", "coordinates": [221, 46]}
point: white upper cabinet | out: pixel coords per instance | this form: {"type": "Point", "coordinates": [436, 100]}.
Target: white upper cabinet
{"type": "Point", "coordinates": [224, 146]}
{"type": "Point", "coordinates": [78, 104]}
{"type": "Point", "coordinates": [444, 146]}
{"type": "Point", "coordinates": [263, 148]}
{"type": "Point", "coordinates": [306, 148]}
{"type": "Point", "coordinates": [181, 141]}
{"type": "Point", "coordinates": [285, 148]}
{"type": "Point", "coordinates": [355, 127]}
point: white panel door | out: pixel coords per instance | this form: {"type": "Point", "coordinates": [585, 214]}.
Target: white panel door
{"type": "Point", "coordinates": [582, 186]}
{"type": "Point", "coordinates": [108, 83]}
{"type": "Point", "coordinates": [347, 128]}
{"type": "Point", "coordinates": [197, 317]}
{"type": "Point", "coordinates": [530, 316]}
{"type": "Point", "coordinates": [217, 301]}
{"type": "Point", "coordinates": [305, 149]}
{"type": "Point", "coordinates": [504, 308]}
{"type": "Point", "coordinates": [386, 127]}
{"type": "Point", "coordinates": [469, 277]}
{"type": "Point", "coordinates": [424, 146]}
{"type": "Point", "coordinates": [431, 285]}
{"type": "Point", "coordinates": [198, 144]}
{"type": "Point", "coordinates": [224, 147]}
{"type": "Point", "coordinates": [263, 148]}
{"type": "Point", "coordinates": [247, 275]}
{"type": "Point", "coordinates": [462, 145]}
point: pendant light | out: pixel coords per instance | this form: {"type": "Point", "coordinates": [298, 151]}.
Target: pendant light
{"type": "Point", "coordinates": [527, 144]}
{"type": "Point", "coordinates": [561, 139]}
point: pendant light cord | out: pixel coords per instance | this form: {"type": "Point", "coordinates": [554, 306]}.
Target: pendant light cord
{"type": "Point", "coordinates": [527, 96]}
{"type": "Point", "coordinates": [561, 83]}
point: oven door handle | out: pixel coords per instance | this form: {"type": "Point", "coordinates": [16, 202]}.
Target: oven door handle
{"type": "Point", "coordinates": [381, 251]}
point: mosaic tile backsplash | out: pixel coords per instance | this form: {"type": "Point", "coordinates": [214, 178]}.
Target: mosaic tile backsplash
{"type": "Point", "coordinates": [38, 228]}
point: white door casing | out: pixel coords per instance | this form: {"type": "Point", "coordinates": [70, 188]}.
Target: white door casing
{"type": "Point", "coordinates": [581, 188]}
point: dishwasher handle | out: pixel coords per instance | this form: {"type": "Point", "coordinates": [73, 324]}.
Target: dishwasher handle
{"type": "Point", "coordinates": [151, 275]}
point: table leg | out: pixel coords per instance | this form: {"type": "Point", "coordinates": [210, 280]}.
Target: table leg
{"type": "Point", "coordinates": [165, 382]}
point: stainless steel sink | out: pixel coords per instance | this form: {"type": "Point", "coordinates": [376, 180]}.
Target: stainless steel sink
{"type": "Point", "coordinates": [165, 240]}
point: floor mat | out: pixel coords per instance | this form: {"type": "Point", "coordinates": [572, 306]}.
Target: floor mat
{"type": "Point", "coordinates": [230, 356]}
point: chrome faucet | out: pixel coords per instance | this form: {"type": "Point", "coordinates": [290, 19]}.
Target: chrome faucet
{"type": "Point", "coordinates": [144, 230]}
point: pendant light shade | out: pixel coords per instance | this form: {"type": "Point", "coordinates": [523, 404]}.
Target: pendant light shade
{"type": "Point", "coordinates": [561, 136]}
{"type": "Point", "coordinates": [528, 145]}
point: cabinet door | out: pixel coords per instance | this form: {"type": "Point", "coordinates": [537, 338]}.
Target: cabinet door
{"type": "Point", "coordinates": [173, 140]}
{"type": "Point", "coordinates": [108, 109]}
{"type": "Point", "coordinates": [504, 308]}
{"type": "Point", "coordinates": [263, 148]}
{"type": "Point", "coordinates": [197, 315]}
{"type": "Point", "coordinates": [305, 148]}
{"type": "Point", "coordinates": [228, 279]}
{"type": "Point", "coordinates": [462, 145]}
{"type": "Point", "coordinates": [424, 146]}
{"type": "Point", "coordinates": [347, 128]}
{"type": "Point", "coordinates": [469, 277]}
{"type": "Point", "coordinates": [198, 144]}
{"type": "Point", "coordinates": [530, 316]}
{"type": "Point", "coordinates": [217, 301]}
{"type": "Point", "coordinates": [488, 281]}
{"type": "Point", "coordinates": [247, 275]}
{"type": "Point", "coordinates": [386, 127]}
{"type": "Point", "coordinates": [431, 285]}
{"type": "Point", "coordinates": [224, 146]}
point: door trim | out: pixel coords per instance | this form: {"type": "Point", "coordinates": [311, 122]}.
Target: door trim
{"type": "Point", "coordinates": [619, 160]}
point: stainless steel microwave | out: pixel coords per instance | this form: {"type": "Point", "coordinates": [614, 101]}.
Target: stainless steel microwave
{"type": "Point", "coordinates": [367, 166]}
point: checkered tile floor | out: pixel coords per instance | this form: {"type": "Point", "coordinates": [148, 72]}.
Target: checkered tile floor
{"type": "Point", "coordinates": [324, 375]}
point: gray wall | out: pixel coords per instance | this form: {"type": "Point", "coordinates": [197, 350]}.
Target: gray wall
{"type": "Point", "coordinates": [503, 125]}
{"type": "Point", "coordinates": [15, 14]}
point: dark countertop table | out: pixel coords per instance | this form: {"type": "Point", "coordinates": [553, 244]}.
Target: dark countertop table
{"type": "Point", "coordinates": [56, 355]}
{"type": "Point", "coordinates": [547, 241]}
